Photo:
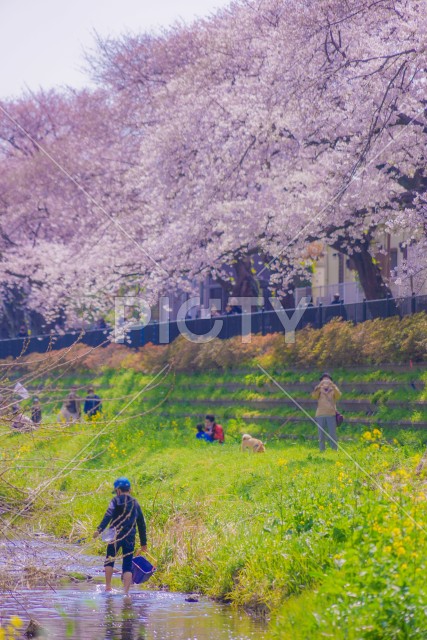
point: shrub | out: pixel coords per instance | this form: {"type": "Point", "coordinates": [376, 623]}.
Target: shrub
{"type": "Point", "coordinates": [337, 344]}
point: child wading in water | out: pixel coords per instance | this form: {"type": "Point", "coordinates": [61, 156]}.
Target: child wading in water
{"type": "Point", "coordinates": [124, 515]}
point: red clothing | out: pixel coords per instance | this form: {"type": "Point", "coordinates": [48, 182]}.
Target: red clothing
{"type": "Point", "coordinates": [218, 433]}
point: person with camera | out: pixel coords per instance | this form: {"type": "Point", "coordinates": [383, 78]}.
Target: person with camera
{"type": "Point", "coordinates": [327, 394]}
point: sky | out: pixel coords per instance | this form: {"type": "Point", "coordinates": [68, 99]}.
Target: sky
{"type": "Point", "coordinates": [42, 41]}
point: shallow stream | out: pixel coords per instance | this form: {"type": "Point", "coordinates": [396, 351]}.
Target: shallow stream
{"type": "Point", "coordinates": [86, 612]}
{"type": "Point", "coordinates": [83, 611]}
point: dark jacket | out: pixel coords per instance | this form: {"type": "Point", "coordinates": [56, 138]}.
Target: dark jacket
{"type": "Point", "coordinates": [125, 514]}
{"type": "Point", "coordinates": [92, 404]}
{"type": "Point", "coordinates": [36, 415]}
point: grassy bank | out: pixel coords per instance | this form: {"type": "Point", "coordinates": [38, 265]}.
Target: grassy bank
{"type": "Point", "coordinates": [308, 537]}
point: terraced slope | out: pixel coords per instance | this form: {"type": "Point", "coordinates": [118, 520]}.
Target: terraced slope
{"type": "Point", "coordinates": [393, 400]}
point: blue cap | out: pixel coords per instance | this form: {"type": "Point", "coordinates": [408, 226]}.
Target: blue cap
{"type": "Point", "coordinates": [121, 483]}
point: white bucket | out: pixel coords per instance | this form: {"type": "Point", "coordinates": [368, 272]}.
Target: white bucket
{"type": "Point", "coordinates": [109, 535]}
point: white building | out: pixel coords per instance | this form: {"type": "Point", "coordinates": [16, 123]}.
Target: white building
{"type": "Point", "coordinates": [333, 273]}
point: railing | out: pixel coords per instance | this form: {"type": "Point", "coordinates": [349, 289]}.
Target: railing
{"type": "Point", "coordinates": [350, 292]}
{"type": "Point", "coordinates": [261, 322]}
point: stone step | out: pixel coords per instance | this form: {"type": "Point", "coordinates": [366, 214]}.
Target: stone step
{"type": "Point", "coordinates": [281, 420]}
{"type": "Point", "coordinates": [362, 387]}
{"type": "Point", "coordinates": [265, 403]}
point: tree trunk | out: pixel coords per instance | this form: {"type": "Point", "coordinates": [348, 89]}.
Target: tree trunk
{"type": "Point", "coordinates": [245, 284]}
{"type": "Point", "coordinates": [370, 276]}
{"type": "Point", "coordinates": [368, 271]}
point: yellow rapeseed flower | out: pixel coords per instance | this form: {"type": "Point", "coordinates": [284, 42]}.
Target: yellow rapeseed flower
{"type": "Point", "coordinates": [400, 551]}
{"type": "Point", "coordinates": [16, 622]}
{"type": "Point", "coordinates": [403, 473]}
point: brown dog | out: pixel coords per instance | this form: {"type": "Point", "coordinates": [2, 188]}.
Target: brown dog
{"type": "Point", "coordinates": [252, 443]}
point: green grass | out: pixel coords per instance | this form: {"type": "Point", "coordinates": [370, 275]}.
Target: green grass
{"type": "Point", "coordinates": [308, 537]}
{"type": "Point", "coordinates": [190, 394]}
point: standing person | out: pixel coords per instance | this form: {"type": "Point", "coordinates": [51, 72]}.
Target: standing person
{"type": "Point", "coordinates": [214, 312]}
{"type": "Point", "coordinates": [336, 308]}
{"type": "Point", "coordinates": [92, 405]}
{"type": "Point", "coordinates": [36, 411]}
{"type": "Point", "coordinates": [214, 429]}
{"type": "Point", "coordinates": [327, 393]}
{"type": "Point", "coordinates": [70, 411]}
{"type": "Point", "coordinates": [236, 308]}
{"type": "Point", "coordinates": [125, 515]}
{"type": "Point", "coordinates": [23, 332]}
{"type": "Point", "coordinates": [100, 324]}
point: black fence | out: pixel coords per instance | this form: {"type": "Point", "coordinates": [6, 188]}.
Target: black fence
{"type": "Point", "coordinates": [223, 327]}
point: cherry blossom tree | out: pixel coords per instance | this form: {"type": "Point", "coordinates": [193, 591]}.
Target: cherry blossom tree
{"type": "Point", "coordinates": [264, 128]}
{"type": "Point", "coordinates": [288, 125]}
{"type": "Point", "coordinates": [65, 227]}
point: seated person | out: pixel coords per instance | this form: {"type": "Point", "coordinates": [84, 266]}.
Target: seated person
{"type": "Point", "coordinates": [92, 405]}
{"type": "Point", "coordinates": [21, 422]}
{"type": "Point", "coordinates": [214, 429]}
{"type": "Point", "coordinates": [70, 411]}
{"type": "Point", "coordinates": [202, 435]}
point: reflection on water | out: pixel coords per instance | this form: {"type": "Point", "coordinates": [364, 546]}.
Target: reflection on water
{"type": "Point", "coordinates": [87, 613]}
{"type": "Point", "coordinates": [123, 621]}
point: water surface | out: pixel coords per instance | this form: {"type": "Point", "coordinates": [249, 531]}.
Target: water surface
{"type": "Point", "coordinates": [86, 612]}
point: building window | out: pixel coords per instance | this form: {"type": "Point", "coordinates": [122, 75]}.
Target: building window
{"type": "Point", "coordinates": [393, 260]}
